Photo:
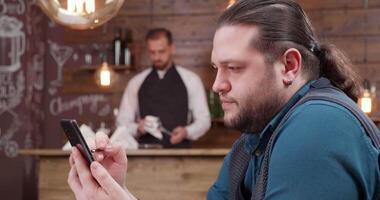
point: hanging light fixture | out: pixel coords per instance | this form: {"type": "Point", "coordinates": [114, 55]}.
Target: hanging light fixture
{"type": "Point", "coordinates": [230, 3]}
{"type": "Point", "coordinates": [367, 100]}
{"type": "Point", "coordinates": [81, 14]}
{"type": "Point", "coordinates": [105, 75]}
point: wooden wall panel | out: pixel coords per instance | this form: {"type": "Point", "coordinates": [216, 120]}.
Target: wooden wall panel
{"type": "Point", "coordinates": [354, 49]}
{"type": "Point", "coordinates": [374, 3]}
{"type": "Point", "coordinates": [372, 23]}
{"type": "Point", "coordinates": [193, 7]}
{"type": "Point", "coordinates": [199, 27]}
{"type": "Point", "coordinates": [370, 71]}
{"type": "Point", "coordinates": [136, 7]}
{"type": "Point", "coordinates": [346, 22]}
{"type": "Point", "coordinates": [207, 75]}
{"type": "Point", "coordinates": [339, 22]}
{"type": "Point", "coordinates": [192, 52]}
{"type": "Point", "coordinates": [337, 4]}
{"type": "Point", "coordinates": [138, 24]}
{"type": "Point", "coordinates": [373, 50]}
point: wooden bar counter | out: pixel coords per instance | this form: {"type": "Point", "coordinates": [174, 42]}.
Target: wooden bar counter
{"type": "Point", "coordinates": [152, 173]}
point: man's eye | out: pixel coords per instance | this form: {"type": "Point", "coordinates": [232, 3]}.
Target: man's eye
{"type": "Point", "coordinates": [234, 68]}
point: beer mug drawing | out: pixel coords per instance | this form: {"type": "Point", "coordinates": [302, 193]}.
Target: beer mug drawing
{"type": "Point", "coordinates": [12, 44]}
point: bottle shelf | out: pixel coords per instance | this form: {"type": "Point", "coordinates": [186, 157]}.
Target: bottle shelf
{"type": "Point", "coordinates": [116, 68]}
{"type": "Point", "coordinates": [83, 80]}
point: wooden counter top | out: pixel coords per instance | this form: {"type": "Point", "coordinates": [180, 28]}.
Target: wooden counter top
{"type": "Point", "coordinates": [139, 152]}
{"type": "Point", "coordinates": [153, 174]}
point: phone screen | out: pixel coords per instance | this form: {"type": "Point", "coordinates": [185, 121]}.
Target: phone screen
{"type": "Point", "coordinates": [74, 135]}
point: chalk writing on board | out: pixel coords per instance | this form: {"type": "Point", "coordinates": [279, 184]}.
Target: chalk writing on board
{"type": "Point", "coordinates": [60, 54]}
{"type": "Point", "coordinates": [12, 43]}
{"type": "Point", "coordinates": [7, 144]}
{"type": "Point", "coordinates": [12, 7]}
{"type": "Point", "coordinates": [11, 89]}
{"type": "Point", "coordinates": [3, 7]}
{"type": "Point", "coordinates": [106, 110]}
{"type": "Point", "coordinates": [58, 105]}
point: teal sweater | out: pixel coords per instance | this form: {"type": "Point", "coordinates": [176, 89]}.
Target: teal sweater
{"type": "Point", "coordinates": [321, 153]}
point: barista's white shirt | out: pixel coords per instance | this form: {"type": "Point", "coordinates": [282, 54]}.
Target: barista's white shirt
{"type": "Point", "coordinates": [197, 102]}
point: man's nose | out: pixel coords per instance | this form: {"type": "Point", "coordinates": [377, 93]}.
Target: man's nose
{"type": "Point", "coordinates": [156, 57]}
{"type": "Point", "coordinates": [221, 83]}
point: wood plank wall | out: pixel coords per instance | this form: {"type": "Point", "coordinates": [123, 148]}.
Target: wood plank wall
{"type": "Point", "coordinates": [191, 22]}
{"type": "Point", "coordinates": [346, 23]}
{"type": "Point", "coordinates": [353, 25]}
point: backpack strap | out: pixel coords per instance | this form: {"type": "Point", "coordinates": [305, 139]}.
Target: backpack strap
{"type": "Point", "coordinates": [238, 167]}
{"type": "Point", "coordinates": [320, 90]}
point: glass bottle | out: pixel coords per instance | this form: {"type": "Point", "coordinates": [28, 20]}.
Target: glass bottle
{"type": "Point", "coordinates": [117, 47]}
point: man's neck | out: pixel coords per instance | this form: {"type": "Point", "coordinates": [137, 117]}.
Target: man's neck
{"type": "Point", "coordinates": [293, 89]}
{"type": "Point", "coordinates": [168, 66]}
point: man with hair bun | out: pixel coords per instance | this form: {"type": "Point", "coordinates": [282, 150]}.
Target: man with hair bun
{"type": "Point", "coordinates": [275, 80]}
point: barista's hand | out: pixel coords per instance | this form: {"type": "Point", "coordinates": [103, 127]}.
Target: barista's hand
{"type": "Point", "coordinates": [140, 129]}
{"type": "Point", "coordinates": [178, 135]}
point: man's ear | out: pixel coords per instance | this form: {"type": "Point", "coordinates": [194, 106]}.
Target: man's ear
{"type": "Point", "coordinates": [292, 62]}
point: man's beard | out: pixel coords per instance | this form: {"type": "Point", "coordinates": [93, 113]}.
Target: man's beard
{"type": "Point", "coordinates": [161, 65]}
{"type": "Point", "coordinates": [256, 110]}
{"type": "Point", "coordinates": [254, 116]}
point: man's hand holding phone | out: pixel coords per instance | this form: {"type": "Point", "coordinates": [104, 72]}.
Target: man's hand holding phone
{"type": "Point", "coordinates": [105, 179]}
{"type": "Point", "coordinates": [112, 157]}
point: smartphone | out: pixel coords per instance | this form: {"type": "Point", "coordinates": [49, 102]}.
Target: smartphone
{"type": "Point", "coordinates": [73, 133]}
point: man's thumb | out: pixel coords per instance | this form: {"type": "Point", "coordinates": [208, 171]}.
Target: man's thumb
{"type": "Point", "coordinates": [104, 179]}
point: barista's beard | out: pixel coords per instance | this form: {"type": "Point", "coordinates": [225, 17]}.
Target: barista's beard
{"type": "Point", "coordinates": [254, 116]}
{"type": "Point", "coordinates": [163, 66]}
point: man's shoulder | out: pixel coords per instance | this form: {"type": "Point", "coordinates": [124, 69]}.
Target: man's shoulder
{"type": "Point", "coordinates": [316, 108]}
{"type": "Point", "coordinates": [316, 120]}
{"type": "Point", "coordinates": [324, 112]}
{"type": "Point", "coordinates": [186, 72]}
{"type": "Point", "coordinates": [141, 75]}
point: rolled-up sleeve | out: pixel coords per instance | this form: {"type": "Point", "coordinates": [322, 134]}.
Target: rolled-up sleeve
{"type": "Point", "coordinates": [198, 107]}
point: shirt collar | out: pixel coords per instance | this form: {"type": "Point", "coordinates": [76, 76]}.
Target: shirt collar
{"type": "Point", "coordinates": [255, 140]}
{"type": "Point", "coordinates": [161, 73]}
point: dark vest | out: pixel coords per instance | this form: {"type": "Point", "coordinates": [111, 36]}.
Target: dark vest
{"type": "Point", "coordinates": [167, 99]}
{"type": "Point", "coordinates": [320, 90]}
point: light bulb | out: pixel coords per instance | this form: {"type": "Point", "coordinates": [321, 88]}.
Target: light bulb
{"type": "Point", "coordinates": [230, 3]}
{"type": "Point", "coordinates": [105, 78]}
{"type": "Point", "coordinates": [105, 75]}
{"type": "Point", "coordinates": [80, 14]}
{"type": "Point", "coordinates": [90, 6]}
{"type": "Point", "coordinates": [366, 102]}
